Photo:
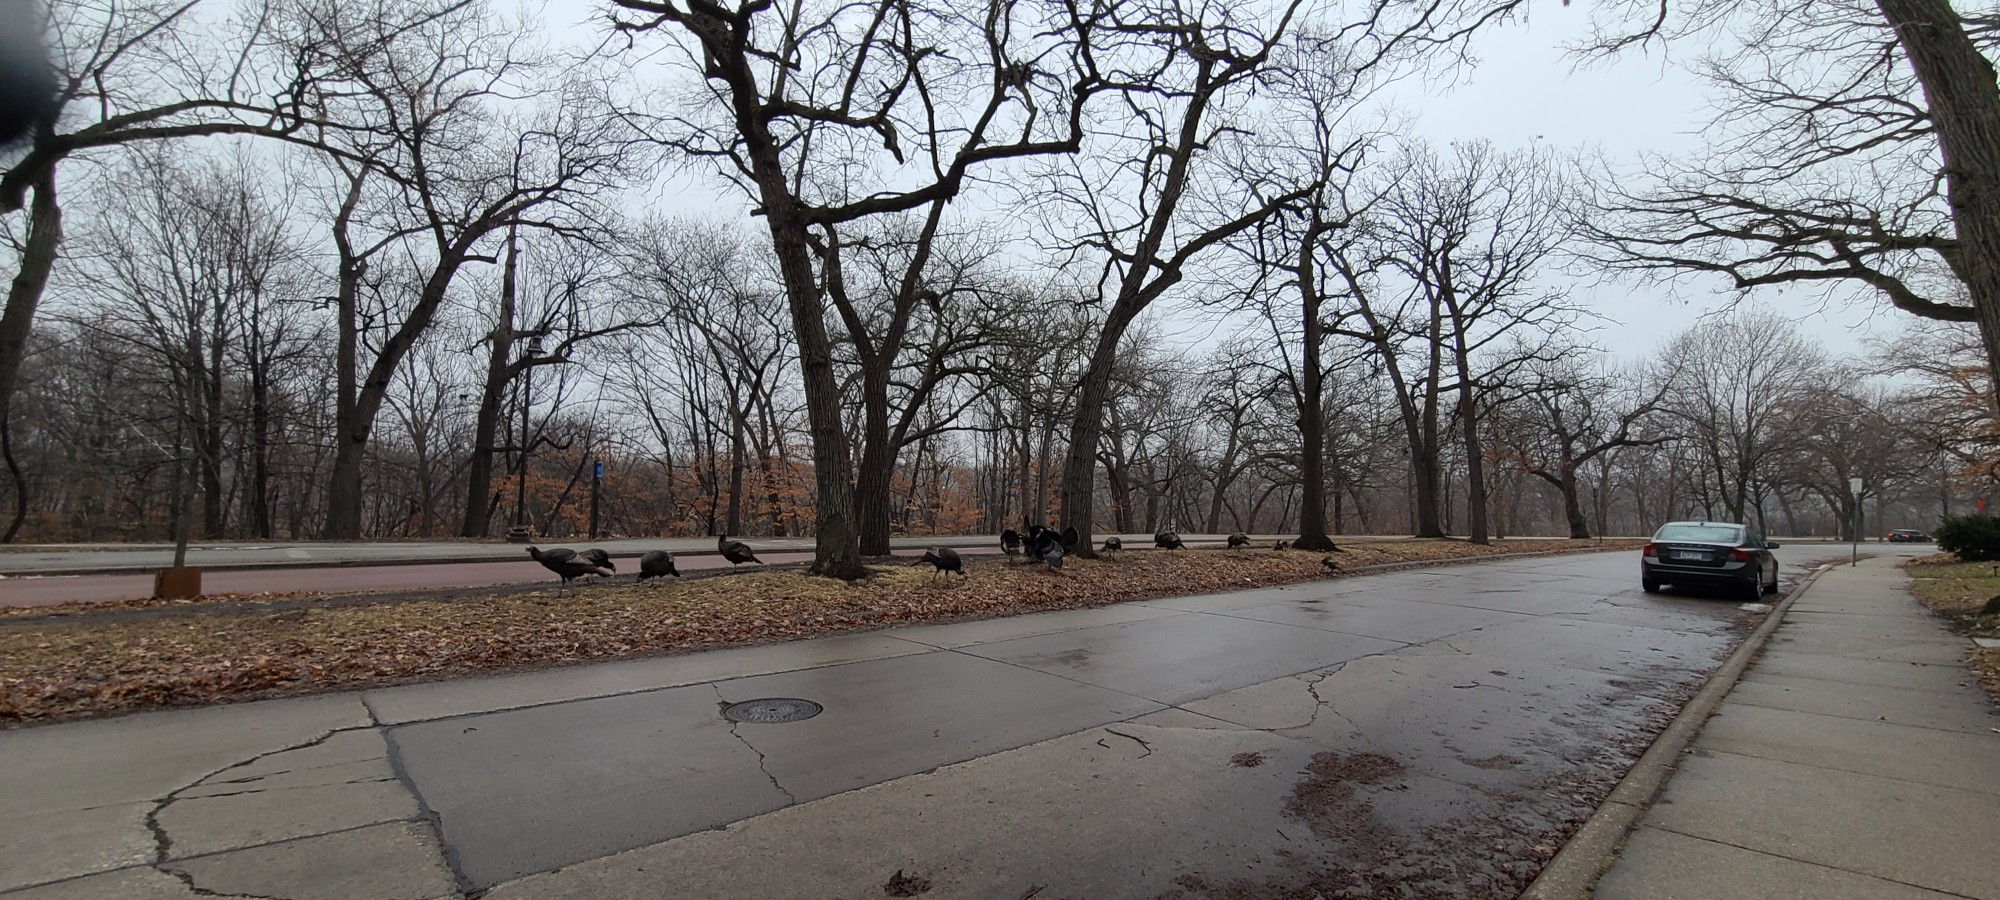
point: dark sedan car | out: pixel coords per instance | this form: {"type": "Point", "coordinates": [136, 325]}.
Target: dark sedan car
{"type": "Point", "coordinates": [1908, 536]}
{"type": "Point", "coordinates": [1711, 553]}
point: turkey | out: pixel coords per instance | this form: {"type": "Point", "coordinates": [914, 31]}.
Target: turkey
{"type": "Point", "coordinates": [943, 560]}
{"type": "Point", "coordinates": [1167, 540]}
{"type": "Point", "coordinates": [1238, 540]}
{"type": "Point", "coordinates": [1283, 545]}
{"type": "Point", "coordinates": [1328, 563]}
{"type": "Point", "coordinates": [1112, 544]}
{"type": "Point", "coordinates": [736, 552]}
{"type": "Point", "coordinates": [657, 564]}
{"type": "Point", "coordinates": [1054, 556]}
{"type": "Point", "coordinates": [597, 557]}
{"type": "Point", "coordinates": [566, 563]}
{"type": "Point", "coordinates": [1044, 541]}
{"type": "Point", "coordinates": [1010, 542]}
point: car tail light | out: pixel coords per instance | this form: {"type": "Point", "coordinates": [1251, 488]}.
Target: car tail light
{"type": "Point", "coordinates": [1739, 555]}
{"type": "Point", "coordinates": [1650, 550]}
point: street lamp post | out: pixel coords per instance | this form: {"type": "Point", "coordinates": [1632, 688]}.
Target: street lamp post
{"type": "Point", "coordinates": [1855, 485]}
{"type": "Point", "coordinates": [519, 533]}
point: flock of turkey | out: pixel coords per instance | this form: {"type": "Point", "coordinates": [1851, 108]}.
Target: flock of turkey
{"type": "Point", "coordinates": [1040, 544]}
{"type": "Point", "coordinates": [571, 565]}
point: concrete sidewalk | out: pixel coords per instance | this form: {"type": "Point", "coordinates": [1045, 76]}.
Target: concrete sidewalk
{"type": "Point", "coordinates": [1857, 758]}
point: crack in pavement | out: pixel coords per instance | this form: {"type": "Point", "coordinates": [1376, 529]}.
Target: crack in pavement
{"type": "Point", "coordinates": [761, 762]}
{"type": "Point", "coordinates": [1141, 741]}
{"type": "Point", "coordinates": [163, 843]}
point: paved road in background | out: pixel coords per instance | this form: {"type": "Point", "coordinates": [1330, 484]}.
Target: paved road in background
{"type": "Point", "coordinates": [1429, 729]}
{"type": "Point", "coordinates": [46, 577]}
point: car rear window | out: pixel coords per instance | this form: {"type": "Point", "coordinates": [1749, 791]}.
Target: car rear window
{"type": "Point", "coordinates": [1707, 534]}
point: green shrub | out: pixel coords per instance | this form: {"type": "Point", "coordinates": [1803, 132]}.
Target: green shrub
{"type": "Point", "coordinates": [1974, 538]}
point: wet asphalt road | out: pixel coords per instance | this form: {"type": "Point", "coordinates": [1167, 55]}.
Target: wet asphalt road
{"type": "Point", "coordinates": [1429, 733]}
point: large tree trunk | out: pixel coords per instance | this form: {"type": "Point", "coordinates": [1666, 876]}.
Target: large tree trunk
{"type": "Point", "coordinates": [878, 462]}
{"type": "Point", "coordinates": [1424, 456]}
{"type": "Point", "coordinates": [1579, 526]}
{"type": "Point", "coordinates": [738, 461]}
{"type": "Point", "coordinates": [836, 540]}
{"type": "Point", "coordinates": [258, 506]}
{"type": "Point", "coordinates": [479, 491]}
{"type": "Point", "coordinates": [1964, 104]}
{"type": "Point", "coordinates": [1080, 467]}
{"type": "Point", "coordinates": [17, 321]}
{"type": "Point", "coordinates": [343, 495]}
{"type": "Point", "coordinates": [353, 429]}
{"type": "Point", "coordinates": [1312, 414]}
{"type": "Point", "coordinates": [1475, 462]}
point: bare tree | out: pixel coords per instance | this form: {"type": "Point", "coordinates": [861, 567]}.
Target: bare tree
{"type": "Point", "coordinates": [791, 90]}
{"type": "Point", "coordinates": [451, 131]}
{"type": "Point", "coordinates": [1154, 213]}
{"type": "Point", "coordinates": [1840, 121]}
{"type": "Point", "coordinates": [1573, 411]}
{"type": "Point", "coordinates": [1470, 235]}
{"type": "Point", "coordinates": [124, 73]}
{"type": "Point", "coordinates": [1739, 374]}
{"type": "Point", "coordinates": [198, 259]}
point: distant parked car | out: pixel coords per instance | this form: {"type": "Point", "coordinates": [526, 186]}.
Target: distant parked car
{"type": "Point", "coordinates": [1713, 553]}
{"type": "Point", "coordinates": [1908, 536]}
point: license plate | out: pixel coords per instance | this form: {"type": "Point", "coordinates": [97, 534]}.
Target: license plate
{"type": "Point", "coordinates": [1689, 554]}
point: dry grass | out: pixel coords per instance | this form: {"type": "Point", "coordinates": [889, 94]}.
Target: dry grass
{"type": "Point", "coordinates": [94, 664]}
{"type": "Point", "coordinates": [1957, 592]}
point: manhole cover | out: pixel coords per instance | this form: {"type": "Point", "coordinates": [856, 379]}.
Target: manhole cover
{"type": "Point", "coordinates": [771, 711]}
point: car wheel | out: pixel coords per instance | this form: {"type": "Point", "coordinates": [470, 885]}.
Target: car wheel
{"type": "Point", "coordinates": [1649, 585]}
{"type": "Point", "coordinates": [1772, 588]}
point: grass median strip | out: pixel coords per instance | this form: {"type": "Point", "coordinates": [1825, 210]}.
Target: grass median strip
{"type": "Point", "coordinates": [79, 666]}
{"type": "Point", "coordinates": [1959, 592]}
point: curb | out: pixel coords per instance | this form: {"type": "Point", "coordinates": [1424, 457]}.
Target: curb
{"type": "Point", "coordinates": [1589, 853]}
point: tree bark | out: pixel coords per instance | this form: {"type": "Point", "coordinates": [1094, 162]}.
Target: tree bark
{"type": "Point", "coordinates": [1312, 408]}
{"type": "Point", "coordinates": [343, 496]}
{"type": "Point", "coordinates": [1964, 105]}
{"type": "Point", "coordinates": [738, 461]}
{"type": "Point", "coordinates": [878, 463]}
{"type": "Point", "coordinates": [836, 540]}
{"type": "Point", "coordinates": [17, 321]}
{"type": "Point", "coordinates": [1087, 428]}
{"type": "Point", "coordinates": [486, 425]}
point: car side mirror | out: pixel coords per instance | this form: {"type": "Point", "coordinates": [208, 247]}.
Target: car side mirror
{"type": "Point", "coordinates": [1772, 545]}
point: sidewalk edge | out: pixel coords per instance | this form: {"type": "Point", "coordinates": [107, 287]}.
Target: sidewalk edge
{"type": "Point", "coordinates": [1589, 853]}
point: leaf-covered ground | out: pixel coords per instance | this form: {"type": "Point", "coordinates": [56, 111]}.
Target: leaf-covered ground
{"type": "Point", "coordinates": [1957, 592]}
{"type": "Point", "coordinates": [94, 663]}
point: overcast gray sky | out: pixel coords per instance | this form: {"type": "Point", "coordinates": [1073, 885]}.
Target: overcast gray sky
{"type": "Point", "coordinates": [1524, 90]}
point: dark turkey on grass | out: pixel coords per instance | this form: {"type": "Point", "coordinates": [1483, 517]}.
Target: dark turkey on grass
{"type": "Point", "coordinates": [736, 552]}
{"type": "Point", "coordinates": [657, 564]}
{"type": "Point", "coordinates": [1238, 539]}
{"type": "Point", "coordinates": [1010, 542]}
{"type": "Point", "coordinates": [597, 557]}
{"type": "Point", "coordinates": [1167, 540]}
{"type": "Point", "coordinates": [1328, 563]}
{"type": "Point", "coordinates": [943, 560]}
{"type": "Point", "coordinates": [1045, 541]}
{"type": "Point", "coordinates": [565, 562]}
{"type": "Point", "coordinates": [1112, 544]}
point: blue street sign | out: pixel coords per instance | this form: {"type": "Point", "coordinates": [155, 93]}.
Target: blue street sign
{"type": "Point", "coordinates": [600, 469]}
